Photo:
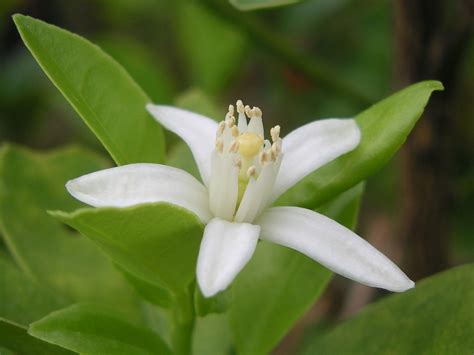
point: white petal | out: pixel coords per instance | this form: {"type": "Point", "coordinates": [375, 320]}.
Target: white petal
{"type": "Point", "coordinates": [199, 133]}
{"type": "Point", "coordinates": [225, 249]}
{"type": "Point", "coordinates": [311, 146]}
{"type": "Point", "coordinates": [224, 185]}
{"type": "Point", "coordinates": [333, 245]}
{"type": "Point", "coordinates": [133, 184]}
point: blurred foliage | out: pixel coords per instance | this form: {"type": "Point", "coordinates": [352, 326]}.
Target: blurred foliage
{"type": "Point", "coordinates": [180, 52]}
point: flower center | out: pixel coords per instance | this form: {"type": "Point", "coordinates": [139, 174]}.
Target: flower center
{"type": "Point", "coordinates": [249, 144]}
{"type": "Point", "coordinates": [244, 165]}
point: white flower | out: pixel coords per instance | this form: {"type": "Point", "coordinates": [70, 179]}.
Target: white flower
{"type": "Point", "coordinates": [243, 173]}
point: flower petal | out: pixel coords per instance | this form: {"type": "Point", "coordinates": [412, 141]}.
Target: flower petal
{"type": "Point", "coordinates": [333, 245]}
{"type": "Point", "coordinates": [225, 249]}
{"type": "Point", "coordinates": [199, 133]}
{"type": "Point", "coordinates": [133, 184]}
{"type": "Point", "coordinates": [311, 146]}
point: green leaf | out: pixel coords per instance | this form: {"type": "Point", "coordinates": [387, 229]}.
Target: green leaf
{"type": "Point", "coordinates": [212, 48]}
{"type": "Point", "coordinates": [22, 300]}
{"type": "Point", "coordinates": [157, 242]}
{"type": "Point", "coordinates": [385, 127]}
{"type": "Point", "coordinates": [147, 70]}
{"type": "Point", "coordinates": [216, 304]}
{"type": "Point", "coordinates": [149, 291]}
{"type": "Point", "coordinates": [246, 5]}
{"type": "Point", "coordinates": [15, 338]}
{"type": "Point", "coordinates": [433, 318]}
{"type": "Point", "coordinates": [92, 329]}
{"type": "Point", "coordinates": [278, 285]}
{"type": "Point", "coordinates": [43, 248]}
{"type": "Point", "coordinates": [98, 88]}
{"type": "Point", "coordinates": [212, 335]}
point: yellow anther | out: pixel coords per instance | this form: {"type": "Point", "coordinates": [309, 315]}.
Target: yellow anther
{"type": "Point", "coordinates": [275, 133]}
{"type": "Point", "coordinates": [249, 144]}
{"type": "Point", "coordinates": [240, 106]}
{"type": "Point", "coordinates": [252, 172]}
{"type": "Point", "coordinates": [234, 147]}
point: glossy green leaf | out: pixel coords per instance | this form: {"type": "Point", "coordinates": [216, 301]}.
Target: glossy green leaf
{"type": "Point", "coordinates": [212, 49]}
{"type": "Point", "coordinates": [22, 299]}
{"type": "Point", "coordinates": [245, 5]}
{"type": "Point", "coordinates": [98, 88]}
{"type": "Point", "coordinates": [433, 318]}
{"type": "Point", "coordinates": [158, 242]}
{"type": "Point", "coordinates": [384, 127]}
{"type": "Point", "coordinates": [279, 284]}
{"type": "Point", "coordinates": [14, 338]}
{"type": "Point", "coordinates": [43, 248]}
{"type": "Point", "coordinates": [93, 329]}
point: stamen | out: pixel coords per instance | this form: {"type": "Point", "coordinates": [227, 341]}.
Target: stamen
{"type": "Point", "coordinates": [235, 131]}
{"type": "Point", "coordinates": [275, 133]}
{"type": "Point", "coordinates": [256, 112]}
{"type": "Point", "coordinates": [275, 151]}
{"type": "Point", "coordinates": [221, 128]}
{"type": "Point", "coordinates": [247, 110]}
{"type": "Point", "coordinates": [231, 110]}
{"type": "Point", "coordinates": [234, 147]}
{"type": "Point", "coordinates": [238, 163]}
{"type": "Point", "coordinates": [229, 121]}
{"type": "Point", "coordinates": [240, 106]}
{"type": "Point", "coordinates": [219, 145]}
{"type": "Point", "coordinates": [252, 172]}
{"type": "Point", "coordinates": [265, 157]}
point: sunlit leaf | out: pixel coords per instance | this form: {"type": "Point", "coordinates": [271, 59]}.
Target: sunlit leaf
{"type": "Point", "coordinates": [98, 88]}
{"type": "Point", "coordinates": [14, 338]}
{"type": "Point", "coordinates": [158, 242]}
{"type": "Point", "coordinates": [93, 329]}
{"type": "Point", "coordinates": [30, 184]}
{"type": "Point", "coordinates": [384, 127]}
{"type": "Point", "coordinates": [433, 318]}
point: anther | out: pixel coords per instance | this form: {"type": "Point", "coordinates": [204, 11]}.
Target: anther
{"type": "Point", "coordinates": [265, 157]}
{"type": "Point", "coordinates": [238, 163]}
{"type": "Point", "coordinates": [240, 106]}
{"type": "Point", "coordinates": [234, 147]}
{"type": "Point", "coordinates": [247, 110]}
{"type": "Point", "coordinates": [256, 112]}
{"type": "Point", "coordinates": [275, 133]}
{"type": "Point", "coordinates": [252, 172]}
{"type": "Point", "coordinates": [231, 109]}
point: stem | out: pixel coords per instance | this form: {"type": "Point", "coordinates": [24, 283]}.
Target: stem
{"type": "Point", "coordinates": [315, 70]}
{"type": "Point", "coordinates": [183, 324]}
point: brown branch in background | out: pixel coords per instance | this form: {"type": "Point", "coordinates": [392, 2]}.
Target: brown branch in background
{"type": "Point", "coordinates": [431, 37]}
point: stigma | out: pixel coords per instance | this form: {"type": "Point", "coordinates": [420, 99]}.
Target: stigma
{"type": "Point", "coordinates": [244, 164]}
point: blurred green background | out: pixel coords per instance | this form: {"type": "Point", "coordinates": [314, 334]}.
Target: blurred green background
{"type": "Point", "coordinates": [314, 59]}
